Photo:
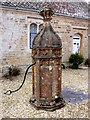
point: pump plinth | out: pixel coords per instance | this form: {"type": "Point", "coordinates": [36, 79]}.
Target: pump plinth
{"type": "Point", "coordinates": [47, 53]}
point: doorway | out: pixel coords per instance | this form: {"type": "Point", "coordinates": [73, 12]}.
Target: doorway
{"type": "Point", "coordinates": [76, 43]}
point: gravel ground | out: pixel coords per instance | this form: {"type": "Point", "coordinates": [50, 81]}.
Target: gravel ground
{"type": "Point", "coordinates": [74, 90]}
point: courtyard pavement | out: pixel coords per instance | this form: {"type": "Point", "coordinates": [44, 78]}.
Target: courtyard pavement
{"type": "Point", "coordinates": [74, 91]}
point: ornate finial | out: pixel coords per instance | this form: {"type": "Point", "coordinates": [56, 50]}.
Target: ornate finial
{"type": "Point", "coordinates": [46, 12]}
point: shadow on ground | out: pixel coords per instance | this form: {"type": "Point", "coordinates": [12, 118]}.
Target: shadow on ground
{"type": "Point", "coordinates": [72, 96]}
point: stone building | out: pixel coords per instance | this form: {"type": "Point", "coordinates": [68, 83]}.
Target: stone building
{"type": "Point", "coordinates": [20, 22]}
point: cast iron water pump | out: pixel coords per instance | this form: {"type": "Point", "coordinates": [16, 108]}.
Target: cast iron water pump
{"type": "Point", "coordinates": [47, 53]}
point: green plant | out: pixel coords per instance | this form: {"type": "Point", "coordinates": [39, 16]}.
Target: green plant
{"type": "Point", "coordinates": [12, 71]}
{"type": "Point", "coordinates": [87, 62]}
{"type": "Point", "coordinates": [75, 60]}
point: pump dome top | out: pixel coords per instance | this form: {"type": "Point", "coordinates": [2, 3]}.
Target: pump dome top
{"type": "Point", "coordinates": [47, 38]}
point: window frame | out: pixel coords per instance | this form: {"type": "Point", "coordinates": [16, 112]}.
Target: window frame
{"type": "Point", "coordinates": [29, 44]}
{"type": "Point", "coordinates": [31, 33]}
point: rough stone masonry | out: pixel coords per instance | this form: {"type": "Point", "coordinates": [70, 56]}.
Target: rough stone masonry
{"type": "Point", "coordinates": [15, 31]}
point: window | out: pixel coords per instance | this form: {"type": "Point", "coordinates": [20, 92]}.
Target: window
{"type": "Point", "coordinates": [40, 27]}
{"type": "Point", "coordinates": [33, 32]}
{"type": "Point", "coordinates": [33, 28]}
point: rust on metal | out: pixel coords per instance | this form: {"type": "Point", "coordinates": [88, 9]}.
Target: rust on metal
{"type": "Point", "coordinates": [47, 52]}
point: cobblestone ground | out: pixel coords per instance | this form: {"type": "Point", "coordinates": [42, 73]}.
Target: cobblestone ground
{"type": "Point", "coordinates": [74, 90]}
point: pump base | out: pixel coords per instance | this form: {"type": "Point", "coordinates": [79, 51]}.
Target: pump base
{"type": "Point", "coordinates": [46, 105]}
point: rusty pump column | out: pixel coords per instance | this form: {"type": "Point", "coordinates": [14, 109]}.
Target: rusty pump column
{"type": "Point", "coordinates": [47, 52]}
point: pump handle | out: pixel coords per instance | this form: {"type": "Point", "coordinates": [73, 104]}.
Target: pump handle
{"type": "Point", "coordinates": [8, 92]}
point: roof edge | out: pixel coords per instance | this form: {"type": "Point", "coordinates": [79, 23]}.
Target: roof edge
{"type": "Point", "coordinates": [34, 10]}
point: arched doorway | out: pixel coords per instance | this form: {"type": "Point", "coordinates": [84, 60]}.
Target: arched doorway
{"type": "Point", "coordinates": [76, 43]}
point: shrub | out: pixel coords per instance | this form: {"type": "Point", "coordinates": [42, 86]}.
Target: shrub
{"type": "Point", "coordinates": [87, 62]}
{"type": "Point", "coordinates": [12, 71]}
{"type": "Point", "coordinates": [76, 60]}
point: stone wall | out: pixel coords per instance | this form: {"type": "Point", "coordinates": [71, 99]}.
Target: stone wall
{"type": "Point", "coordinates": [15, 35]}
{"type": "Point", "coordinates": [66, 29]}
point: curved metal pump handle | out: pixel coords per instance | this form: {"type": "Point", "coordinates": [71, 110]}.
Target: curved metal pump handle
{"type": "Point", "coordinates": [8, 92]}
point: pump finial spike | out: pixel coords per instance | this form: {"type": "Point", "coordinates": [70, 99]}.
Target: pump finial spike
{"type": "Point", "coordinates": [46, 12]}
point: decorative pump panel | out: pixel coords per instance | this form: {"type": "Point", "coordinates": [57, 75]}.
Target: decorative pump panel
{"type": "Point", "coordinates": [47, 53]}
